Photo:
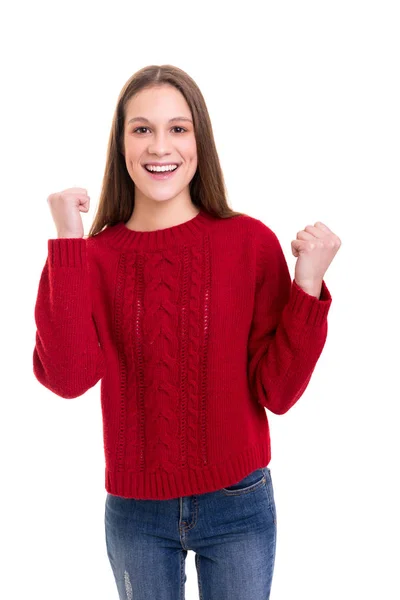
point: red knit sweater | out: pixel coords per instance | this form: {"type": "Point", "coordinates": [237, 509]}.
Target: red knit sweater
{"type": "Point", "coordinates": [193, 331]}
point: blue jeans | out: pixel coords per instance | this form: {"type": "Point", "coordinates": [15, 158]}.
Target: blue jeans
{"type": "Point", "coordinates": [231, 530]}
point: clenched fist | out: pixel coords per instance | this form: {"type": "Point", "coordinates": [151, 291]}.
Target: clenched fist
{"type": "Point", "coordinates": [65, 208]}
{"type": "Point", "coordinates": [315, 247]}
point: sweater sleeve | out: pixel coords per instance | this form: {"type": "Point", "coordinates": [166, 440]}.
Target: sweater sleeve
{"type": "Point", "coordinates": [67, 358]}
{"type": "Point", "coordinates": [288, 331]}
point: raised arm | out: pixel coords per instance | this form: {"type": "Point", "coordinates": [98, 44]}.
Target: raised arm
{"type": "Point", "coordinates": [67, 358]}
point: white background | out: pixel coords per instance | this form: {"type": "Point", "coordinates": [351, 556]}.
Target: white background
{"type": "Point", "coordinates": [304, 100]}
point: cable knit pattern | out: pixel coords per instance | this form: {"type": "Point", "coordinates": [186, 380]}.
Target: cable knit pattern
{"type": "Point", "coordinates": [193, 331]}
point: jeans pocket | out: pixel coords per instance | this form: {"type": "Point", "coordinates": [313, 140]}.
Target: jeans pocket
{"type": "Point", "coordinates": [270, 492]}
{"type": "Point", "coordinates": [248, 484]}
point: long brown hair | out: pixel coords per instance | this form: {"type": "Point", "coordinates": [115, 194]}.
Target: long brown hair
{"type": "Point", "coordinates": [207, 187]}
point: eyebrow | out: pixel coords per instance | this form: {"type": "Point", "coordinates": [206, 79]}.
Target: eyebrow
{"type": "Point", "coordinates": [170, 121]}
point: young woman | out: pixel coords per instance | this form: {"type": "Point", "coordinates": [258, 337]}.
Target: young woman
{"type": "Point", "coordinates": [186, 312]}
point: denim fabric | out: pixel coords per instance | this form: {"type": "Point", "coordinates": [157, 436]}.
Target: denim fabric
{"type": "Point", "coordinates": [232, 532]}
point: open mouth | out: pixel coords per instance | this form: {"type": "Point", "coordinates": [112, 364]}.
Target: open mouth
{"type": "Point", "coordinates": [161, 174]}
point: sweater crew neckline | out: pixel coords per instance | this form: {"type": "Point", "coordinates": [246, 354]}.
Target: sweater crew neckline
{"type": "Point", "coordinates": [120, 236]}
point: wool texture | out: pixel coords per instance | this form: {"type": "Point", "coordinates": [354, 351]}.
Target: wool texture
{"type": "Point", "coordinates": [193, 331]}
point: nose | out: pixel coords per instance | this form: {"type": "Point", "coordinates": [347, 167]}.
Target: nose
{"type": "Point", "coordinates": [160, 144]}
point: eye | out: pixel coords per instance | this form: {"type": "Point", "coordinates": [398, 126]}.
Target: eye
{"type": "Point", "coordinates": [177, 127]}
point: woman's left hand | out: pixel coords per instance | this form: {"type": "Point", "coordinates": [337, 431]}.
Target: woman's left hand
{"type": "Point", "coordinates": [315, 247]}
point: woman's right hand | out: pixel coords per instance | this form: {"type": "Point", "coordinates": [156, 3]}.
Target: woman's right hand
{"type": "Point", "coordinates": [65, 208]}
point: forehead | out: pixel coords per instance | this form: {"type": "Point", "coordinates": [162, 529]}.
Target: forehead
{"type": "Point", "coordinates": [158, 104]}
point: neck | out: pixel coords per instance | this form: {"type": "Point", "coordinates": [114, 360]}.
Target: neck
{"type": "Point", "coordinates": [162, 218]}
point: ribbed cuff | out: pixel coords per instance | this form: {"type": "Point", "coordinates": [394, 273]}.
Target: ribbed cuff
{"type": "Point", "coordinates": [67, 252]}
{"type": "Point", "coordinates": [309, 309]}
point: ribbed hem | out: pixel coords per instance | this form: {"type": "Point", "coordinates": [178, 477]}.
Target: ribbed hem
{"type": "Point", "coordinates": [165, 486]}
{"type": "Point", "coordinates": [311, 310]}
{"type": "Point", "coordinates": [121, 237]}
{"type": "Point", "coordinates": [67, 252]}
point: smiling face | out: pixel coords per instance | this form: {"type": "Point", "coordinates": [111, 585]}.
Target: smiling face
{"type": "Point", "coordinates": [156, 135]}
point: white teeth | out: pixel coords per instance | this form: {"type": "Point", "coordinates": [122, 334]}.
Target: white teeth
{"type": "Point", "coordinates": [161, 169]}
